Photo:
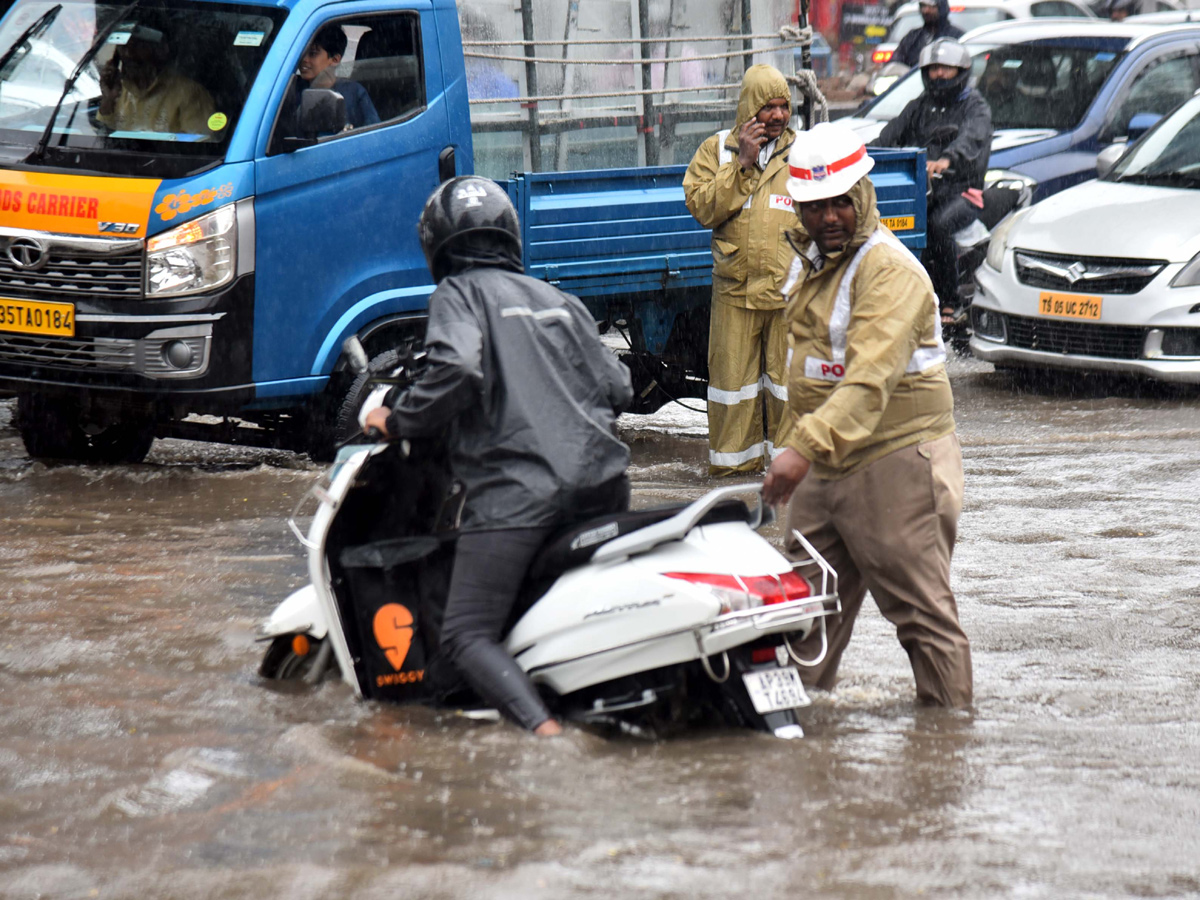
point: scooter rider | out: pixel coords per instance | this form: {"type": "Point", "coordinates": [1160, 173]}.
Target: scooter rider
{"type": "Point", "coordinates": [517, 373]}
{"type": "Point", "coordinates": [953, 122]}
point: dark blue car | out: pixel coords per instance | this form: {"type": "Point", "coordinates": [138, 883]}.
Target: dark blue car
{"type": "Point", "coordinates": [1062, 90]}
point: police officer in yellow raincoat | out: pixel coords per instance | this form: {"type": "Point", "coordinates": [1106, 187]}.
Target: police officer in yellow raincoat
{"type": "Point", "coordinates": [737, 186]}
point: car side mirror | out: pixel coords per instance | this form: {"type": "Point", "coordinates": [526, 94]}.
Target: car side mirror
{"type": "Point", "coordinates": [322, 112]}
{"type": "Point", "coordinates": [1107, 158]}
{"type": "Point", "coordinates": [1140, 124]}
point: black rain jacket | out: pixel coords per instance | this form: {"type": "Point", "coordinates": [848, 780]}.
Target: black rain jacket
{"type": "Point", "coordinates": [968, 150]}
{"type": "Point", "coordinates": [908, 51]}
{"type": "Point", "coordinates": [516, 369]}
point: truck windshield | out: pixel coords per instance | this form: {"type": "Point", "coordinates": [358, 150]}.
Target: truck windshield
{"type": "Point", "coordinates": [157, 88]}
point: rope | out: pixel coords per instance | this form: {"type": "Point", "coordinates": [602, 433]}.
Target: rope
{"type": "Point", "coordinates": [790, 29]}
{"type": "Point", "coordinates": [573, 61]}
{"type": "Point", "coordinates": [805, 81]}
{"type": "Point", "coordinates": [633, 93]}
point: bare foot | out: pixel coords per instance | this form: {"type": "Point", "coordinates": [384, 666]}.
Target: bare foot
{"type": "Point", "coordinates": [549, 728]}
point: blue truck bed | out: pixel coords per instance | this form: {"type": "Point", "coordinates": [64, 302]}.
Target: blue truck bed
{"type": "Point", "coordinates": [618, 231]}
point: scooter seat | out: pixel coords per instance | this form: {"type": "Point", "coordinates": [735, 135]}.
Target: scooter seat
{"type": "Point", "coordinates": [575, 544]}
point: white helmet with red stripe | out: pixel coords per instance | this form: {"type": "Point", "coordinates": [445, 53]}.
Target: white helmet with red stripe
{"type": "Point", "coordinates": [826, 161]}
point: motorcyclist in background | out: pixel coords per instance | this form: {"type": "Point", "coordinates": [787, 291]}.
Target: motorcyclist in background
{"type": "Point", "coordinates": [516, 372]}
{"type": "Point", "coordinates": [953, 122]}
{"type": "Point", "coordinates": [935, 15]}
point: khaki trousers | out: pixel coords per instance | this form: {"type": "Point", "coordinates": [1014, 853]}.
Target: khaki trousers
{"type": "Point", "coordinates": [890, 528]}
{"type": "Point", "coordinates": [747, 372]}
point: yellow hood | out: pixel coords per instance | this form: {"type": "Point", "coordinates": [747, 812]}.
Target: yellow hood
{"type": "Point", "coordinates": [862, 195]}
{"type": "Point", "coordinates": [760, 85]}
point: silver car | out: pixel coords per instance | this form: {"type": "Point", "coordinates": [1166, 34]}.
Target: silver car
{"type": "Point", "coordinates": [1104, 276]}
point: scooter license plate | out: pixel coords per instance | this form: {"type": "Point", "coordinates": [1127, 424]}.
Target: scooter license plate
{"type": "Point", "coordinates": [774, 689]}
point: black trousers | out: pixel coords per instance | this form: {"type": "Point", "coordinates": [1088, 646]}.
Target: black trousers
{"type": "Point", "coordinates": [489, 570]}
{"type": "Point", "coordinates": [948, 214]}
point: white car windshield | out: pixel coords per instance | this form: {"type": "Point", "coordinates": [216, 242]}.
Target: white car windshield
{"type": "Point", "coordinates": [107, 85]}
{"type": "Point", "coordinates": [1025, 85]}
{"type": "Point", "coordinates": [1169, 155]}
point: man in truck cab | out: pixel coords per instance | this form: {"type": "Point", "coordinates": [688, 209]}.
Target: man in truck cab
{"type": "Point", "coordinates": [141, 91]}
{"type": "Point", "coordinates": [737, 186]}
{"type": "Point", "coordinates": [529, 395]}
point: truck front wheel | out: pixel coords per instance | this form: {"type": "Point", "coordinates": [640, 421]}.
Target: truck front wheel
{"type": "Point", "coordinates": [66, 428]}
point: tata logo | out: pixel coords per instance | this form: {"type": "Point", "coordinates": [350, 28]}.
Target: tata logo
{"type": "Point", "coordinates": [27, 254]}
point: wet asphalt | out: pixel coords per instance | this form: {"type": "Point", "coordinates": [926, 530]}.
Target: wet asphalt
{"type": "Point", "coordinates": [142, 756]}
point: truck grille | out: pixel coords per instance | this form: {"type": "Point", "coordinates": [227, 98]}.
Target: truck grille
{"type": "Point", "coordinates": [1085, 274]}
{"type": "Point", "coordinates": [1076, 338]}
{"type": "Point", "coordinates": [68, 353]}
{"type": "Point", "coordinates": [75, 273]}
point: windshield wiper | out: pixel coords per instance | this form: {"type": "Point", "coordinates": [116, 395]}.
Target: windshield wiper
{"type": "Point", "coordinates": [44, 141]}
{"type": "Point", "coordinates": [43, 22]}
{"type": "Point", "coordinates": [1162, 179]}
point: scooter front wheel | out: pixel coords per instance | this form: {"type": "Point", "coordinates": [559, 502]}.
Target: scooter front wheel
{"type": "Point", "coordinates": [295, 657]}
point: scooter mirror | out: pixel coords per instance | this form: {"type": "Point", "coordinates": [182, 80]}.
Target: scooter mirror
{"type": "Point", "coordinates": [356, 355]}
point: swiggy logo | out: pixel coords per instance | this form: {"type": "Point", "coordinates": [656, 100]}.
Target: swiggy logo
{"type": "Point", "coordinates": [394, 632]}
{"type": "Point", "coordinates": [173, 205]}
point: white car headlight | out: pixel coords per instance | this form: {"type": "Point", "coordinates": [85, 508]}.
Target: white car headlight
{"type": "Point", "coordinates": [999, 242]}
{"type": "Point", "coordinates": [195, 257]}
{"type": "Point", "coordinates": [1189, 275]}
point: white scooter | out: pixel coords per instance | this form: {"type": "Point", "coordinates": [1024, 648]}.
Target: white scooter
{"type": "Point", "coordinates": [641, 620]}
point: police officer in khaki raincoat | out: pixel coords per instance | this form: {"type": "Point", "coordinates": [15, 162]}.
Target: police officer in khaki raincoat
{"type": "Point", "coordinates": [737, 186]}
{"type": "Point", "coordinates": [873, 458]}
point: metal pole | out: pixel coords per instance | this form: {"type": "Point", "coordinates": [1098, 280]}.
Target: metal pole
{"type": "Point", "coordinates": [531, 86]}
{"type": "Point", "coordinates": [747, 44]}
{"type": "Point", "coordinates": [805, 63]}
{"type": "Point", "coordinates": [647, 125]}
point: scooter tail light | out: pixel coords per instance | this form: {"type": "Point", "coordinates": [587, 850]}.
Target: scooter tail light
{"type": "Point", "coordinates": [747, 591]}
{"type": "Point", "coordinates": [879, 57]}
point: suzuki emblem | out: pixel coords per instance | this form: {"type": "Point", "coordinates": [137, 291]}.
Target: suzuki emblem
{"type": "Point", "coordinates": [1075, 271]}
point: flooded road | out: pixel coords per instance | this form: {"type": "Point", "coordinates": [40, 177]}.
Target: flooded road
{"type": "Point", "coordinates": [142, 756]}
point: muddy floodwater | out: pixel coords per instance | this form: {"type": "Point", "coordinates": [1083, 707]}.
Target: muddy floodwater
{"type": "Point", "coordinates": [141, 756]}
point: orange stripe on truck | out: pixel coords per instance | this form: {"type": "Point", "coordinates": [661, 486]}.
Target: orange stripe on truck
{"type": "Point", "coordinates": [76, 204]}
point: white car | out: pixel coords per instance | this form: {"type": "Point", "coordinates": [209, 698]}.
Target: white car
{"type": "Point", "coordinates": [1104, 276]}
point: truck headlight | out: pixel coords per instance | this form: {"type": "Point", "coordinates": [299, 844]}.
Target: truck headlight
{"type": "Point", "coordinates": [999, 242]}
{"type": "Point", "coordinates": [195, 257]}
{"type": "Point", "coordinates": [1189, 275]}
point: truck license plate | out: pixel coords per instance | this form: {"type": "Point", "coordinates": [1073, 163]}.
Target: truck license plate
{"type": "Point", "coordinates": [36, 317]}
{"type": "Point", "coordinates": [1069, 306]}
{"type": "Point", "coordinates": [774, 689]}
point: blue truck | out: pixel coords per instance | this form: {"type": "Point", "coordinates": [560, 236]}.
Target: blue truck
{"type": "Point", "coordinates": [200, 201]}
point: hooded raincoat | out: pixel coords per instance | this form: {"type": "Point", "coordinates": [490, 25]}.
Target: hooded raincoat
{"type": "Point", "coordinates": [909, 49]}
{"type": "Point", "coordinates": [749, 211]}
{"type": "Point", "coordinates": [867, 374]}
{"type": "Point", "coordinates": [516, 369]}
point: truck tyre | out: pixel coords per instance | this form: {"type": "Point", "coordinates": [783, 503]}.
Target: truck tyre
{"type": "Point", "coordinates": [346, 422]}
{"type": "Point", "coordinates": [61, 428]}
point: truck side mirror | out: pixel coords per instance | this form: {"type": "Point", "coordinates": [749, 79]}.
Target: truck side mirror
{"type": "Point", "coordinates": [321, 113]}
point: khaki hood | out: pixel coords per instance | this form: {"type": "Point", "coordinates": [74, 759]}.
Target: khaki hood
{"type": "Point", "coordinates": [866, 210]}
{"type": "Point", "coordinates": [760, 85]}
